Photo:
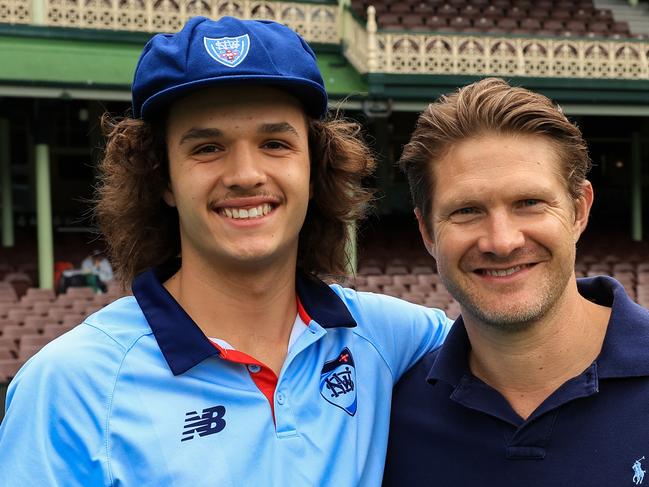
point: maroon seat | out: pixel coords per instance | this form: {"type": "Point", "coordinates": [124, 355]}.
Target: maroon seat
{"type": "Point", "coordinates": [447, 10]}
{"type": "Point", "coordinates": [382, 280]}
{"type": "Point", "coordinates": [429, 279]}
{"type": "Point", "coordinates": [405, 279]}
{"type": "Point", "coordinates": [501, 3]}
{"type": "Point", "coordinates": [420, 288]}
{"type": "Point", "coordinates": [553, 25]}
{"type": "Point", "coordinates": [507, 24]}
{"type": "Point", "coordinates": [415, 298]}
{"type": "Point", "coordinates": [459, 23]}
{"type": "Point", "coordinates": [470, 12]}
{"type": "Point", "coordinates": [583, 14]}
{"type": "Point", "coordinates": [597, 29]}
{"type": "Point", "coordinates": [484, 24]}
{"type": "Point", "coordinates": [531, 24]}
{"type": "Point", "coordinates": [423, 270]}
{"type": "Point", "coordinates": [400, 8]}
{"type": "Point", "coordinates": [435, 22]}
{"type": "Point", "coordinates": [576, 26]}
{"type": "Point", "coordinates": [396, 269]}
{"type": "Point", "coordinates": [492, 12]}
{"type": "Point", "coordinates": [80, 292]}
{"type": "Point", "coordinates": [604, 15]}
{"type": "Point", "coordinates": [538, 13]}
{"type": "Point", "coordinates": [561, 14]}
{"type": "Point", "coordinates": [54, 330]}
{"type": "Point", "coordinates": [517, 13]}
{"type": "Point", "coordinates": [16, 331]}
{"type": "Point", "coordinates": [424, 9]}
{"type": "Point", "coordinates": [9, 368]}
{"type": "Point", "coordinates": [620, 28]}
{"type": "Point", "coordinates": [395, 290]}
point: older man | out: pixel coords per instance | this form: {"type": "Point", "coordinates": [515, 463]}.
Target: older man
{"type": "Point", "coordinates": [543, 379]}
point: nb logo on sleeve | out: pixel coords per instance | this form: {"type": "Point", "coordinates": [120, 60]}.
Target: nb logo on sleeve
{"type": "Point", "coordinates": [209, 422]}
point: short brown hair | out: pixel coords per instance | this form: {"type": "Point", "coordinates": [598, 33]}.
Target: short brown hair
{"type": "Point", "coordinates": [142, 231]}
{"type": "Point", "coordinates": [489, 106]}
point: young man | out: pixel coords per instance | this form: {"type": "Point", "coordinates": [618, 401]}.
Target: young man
{"type": "Point", "coordinates": [543, 380]}
{"type": "Point", "coordinates": [233, 364]}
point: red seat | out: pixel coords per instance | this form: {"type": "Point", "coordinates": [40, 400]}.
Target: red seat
{"type": "Point", "coordinates": [9, 368]}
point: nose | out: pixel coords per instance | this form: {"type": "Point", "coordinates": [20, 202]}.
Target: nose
{"type": "Point", "coordinates": [243, 168]}
{"type": "Point", "coordinates": [502, 235]}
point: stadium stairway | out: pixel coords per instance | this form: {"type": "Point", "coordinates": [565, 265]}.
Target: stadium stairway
{"type": "Point", "coordinates": [636, 16]}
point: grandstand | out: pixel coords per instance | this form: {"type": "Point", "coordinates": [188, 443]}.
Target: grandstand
{"type": "Point", "coordinates": [66, 62]}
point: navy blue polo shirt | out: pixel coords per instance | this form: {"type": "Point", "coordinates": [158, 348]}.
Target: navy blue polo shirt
{"type": "Point", "coordinates": [137, 395]}
{"type": "Point", "coordinates": [448, 428]}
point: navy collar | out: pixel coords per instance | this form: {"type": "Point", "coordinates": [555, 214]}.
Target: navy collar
{"type": "Point", "coordinates": [182, 342]}
{"type": "Point", "coordinates": [625, 351]}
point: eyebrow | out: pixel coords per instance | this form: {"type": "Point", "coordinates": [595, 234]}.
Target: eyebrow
{"type": "Point", "coordinates": [276, 128]}
{"type": "Point", "coordinates": [200, 133]}
{"type": "Point", "coordinates": [266, 128]}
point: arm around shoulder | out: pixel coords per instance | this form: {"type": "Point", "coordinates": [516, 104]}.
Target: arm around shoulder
{"type": "Point", "coordinates": [401, 331]}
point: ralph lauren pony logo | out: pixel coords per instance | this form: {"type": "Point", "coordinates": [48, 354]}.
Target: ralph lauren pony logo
{"type": "Point", "coordinates": [338, 382]}
{"type": "Point", "coordinates": [229, 51]}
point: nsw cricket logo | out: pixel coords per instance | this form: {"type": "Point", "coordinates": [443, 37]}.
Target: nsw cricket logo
{"type": "Point", "coordinates": [229, 51]}
{"type": "Point", "coordinates": [338, 382]}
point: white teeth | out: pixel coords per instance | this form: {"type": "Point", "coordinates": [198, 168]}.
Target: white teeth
{"type": "Point", "coordinates": [503, 272]}
{"type": "Point", "coordinates": [240, 213]}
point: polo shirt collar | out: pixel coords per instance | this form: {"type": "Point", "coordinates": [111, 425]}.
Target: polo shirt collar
{"type": "Point", "coordinates": [182, 342]}
{"type": "Point", "coordinates": [624, 351]}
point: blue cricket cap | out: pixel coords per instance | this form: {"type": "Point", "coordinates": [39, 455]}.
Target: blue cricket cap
{"type": "Point", "coordinates": [229, 51]}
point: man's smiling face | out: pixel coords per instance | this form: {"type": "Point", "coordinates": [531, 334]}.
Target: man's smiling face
{"type": "Point", "coordinates": [504, 227]}
{"type": "Point", "coordinates": [239, 170]}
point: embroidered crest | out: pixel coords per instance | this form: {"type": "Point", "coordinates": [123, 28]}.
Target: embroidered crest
{"type": "Point", "coordinates": [638, 473]}
{"type": "Point", "coordinates": [338, 382]}
{"type": "Point", "coordinates": [229, 51]}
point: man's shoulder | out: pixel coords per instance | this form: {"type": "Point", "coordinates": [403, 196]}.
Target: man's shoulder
{"type": "Point", "coordinates": [96, 346]}
{"type": "Point", "coordinates": [416, 377]}
{"type": "Point", "coordinates": [122, 320]}
{"type": "Point", "coordinates": [376, 308]}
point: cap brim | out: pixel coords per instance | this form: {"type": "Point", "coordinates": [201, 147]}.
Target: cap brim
{"type": "Point", "coordinates": [309, 93]}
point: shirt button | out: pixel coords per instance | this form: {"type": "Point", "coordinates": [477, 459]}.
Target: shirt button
{"type": "Point", "coordinates": [280, 398]}
{"type": "Point", "coordinates": [254, 368]}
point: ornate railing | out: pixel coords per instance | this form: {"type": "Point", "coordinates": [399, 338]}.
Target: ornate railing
{"type": "Point", "coordinates": [16, 11]}
{"type": "Point", "coordinates": [316, 22]}
{"type": "Point", "coordinates": [457, 54]}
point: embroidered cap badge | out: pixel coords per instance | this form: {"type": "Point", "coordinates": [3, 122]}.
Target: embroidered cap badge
{"type": "Point", "coordinates": [229, 51]}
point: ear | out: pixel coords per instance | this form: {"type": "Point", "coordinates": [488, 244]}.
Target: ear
{"type": "Point", "coordinates": [168, 196]}
{"type": "Point", "coordinates": [429, 243]}
{"type": "Point", "coordinates": [582, 208]}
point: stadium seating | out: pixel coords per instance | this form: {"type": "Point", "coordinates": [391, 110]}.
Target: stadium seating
{"type": "Point", "coordinates": [546, 17]}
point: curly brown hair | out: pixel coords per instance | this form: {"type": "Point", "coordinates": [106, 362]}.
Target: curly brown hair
{"type": "Point", "coordinates": [489, 106]}
{"type": "Point", "coordinates": [142, 231]}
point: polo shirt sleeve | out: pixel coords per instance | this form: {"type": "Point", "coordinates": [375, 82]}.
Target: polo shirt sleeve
{"type": "Point", "coordinates": [53, 433]}
{"type": "Point", "coordinates": [401, 332]}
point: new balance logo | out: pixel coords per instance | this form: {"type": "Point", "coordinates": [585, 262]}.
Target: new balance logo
{"type": "Point", "coordinates": [209, 422]}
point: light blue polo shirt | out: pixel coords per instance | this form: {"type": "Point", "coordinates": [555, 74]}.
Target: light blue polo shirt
{"type": "Point", "coordinates": [138, 396]}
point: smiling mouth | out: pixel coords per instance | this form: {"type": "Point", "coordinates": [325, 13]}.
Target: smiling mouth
{"type": "Point", "coordinates": [503, 272]}
{"type": "Point", "coordinates": [246, 213]}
